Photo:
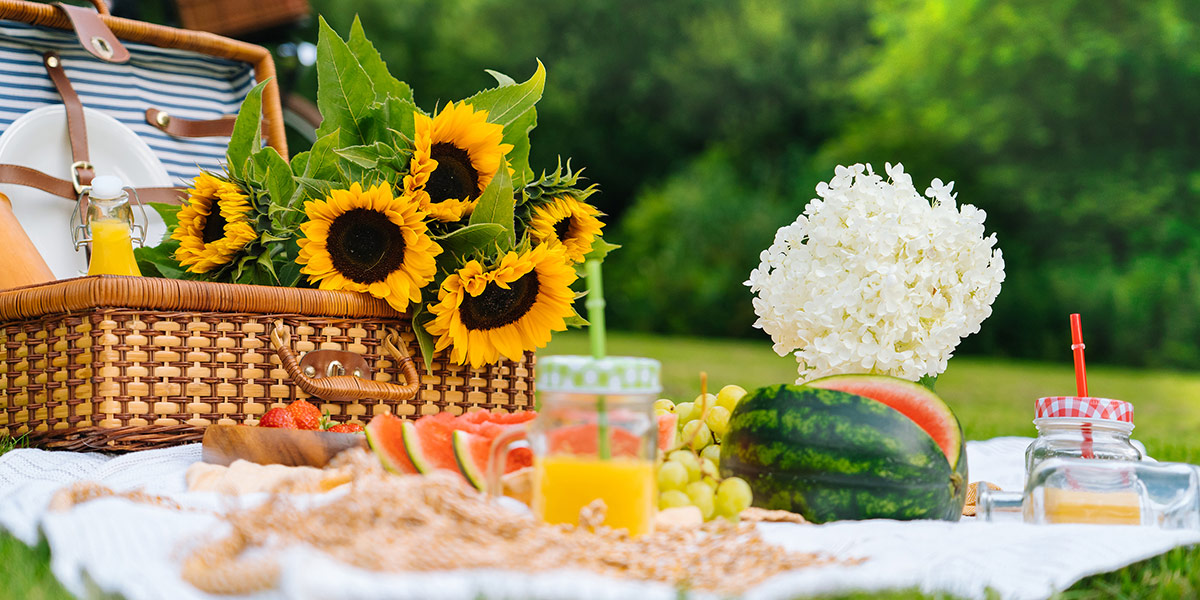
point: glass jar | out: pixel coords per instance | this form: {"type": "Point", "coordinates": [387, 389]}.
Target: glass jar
{"type": "Point", "coordinates": [108, 226]}
{"type": "Point", "coordinates": [595, 438]}
{"type": "Point", "coordinates": [1102, 492]}
{"type": "Point", "coordinates": [1081, 427]}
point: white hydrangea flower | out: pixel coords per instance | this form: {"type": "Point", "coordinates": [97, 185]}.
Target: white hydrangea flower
{"type": "Point", "coordinates": [875, 278]}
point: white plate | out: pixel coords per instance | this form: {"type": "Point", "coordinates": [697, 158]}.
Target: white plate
{"type": "Point", "coordinates": [38, 139]}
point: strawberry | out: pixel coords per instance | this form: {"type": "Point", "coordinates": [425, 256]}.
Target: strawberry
{"type": "Point", "coordinates": [279, 418]}
{"type": "Point", "coordinates": [347, 428]}
{"type": "Point", "coordinates": [307, 416]}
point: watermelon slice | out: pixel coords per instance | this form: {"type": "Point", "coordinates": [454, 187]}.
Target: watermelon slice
{"type": "Point", "coordinates": [427, 444]}
{"type": "Point", "coordinates": [471, 452]}
{"type": "Point", "coordinates": [386, 436]}
{"type": "Point", "coordinates": [912, 400]}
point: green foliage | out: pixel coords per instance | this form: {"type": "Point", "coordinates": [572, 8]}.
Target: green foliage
{"type": "Point", "coordinates": [689, 245]}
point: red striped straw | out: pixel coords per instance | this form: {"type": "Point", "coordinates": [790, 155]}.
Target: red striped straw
{"type": "Point", "coordinates": [1077, 348]}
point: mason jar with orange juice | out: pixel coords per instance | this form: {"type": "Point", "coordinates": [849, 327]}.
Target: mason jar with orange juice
{"type": "Point", "coordinates": [594, 439]}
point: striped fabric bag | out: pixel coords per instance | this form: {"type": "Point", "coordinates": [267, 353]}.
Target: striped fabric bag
{"type": "Point", "coordinates": [84, 93]}
{"type": "Point", "coordinates": [183, 84]}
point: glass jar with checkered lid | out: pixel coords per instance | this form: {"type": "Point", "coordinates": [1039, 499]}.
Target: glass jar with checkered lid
{"type": "Point", "coordinates": [1081, 427]}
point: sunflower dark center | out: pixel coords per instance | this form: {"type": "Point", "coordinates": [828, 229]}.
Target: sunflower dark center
{"type": "Point", "coordinates": [454, 177]}
{"type": "Point", "coordinates": [497, 307]}
{"type": "Point", "coordinates": [562, 228]}
{"type": "Point", "coordinates": [365, 246]}
{"type": "Point", "coordinates": [214, 226]}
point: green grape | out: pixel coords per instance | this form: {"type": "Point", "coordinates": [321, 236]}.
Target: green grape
{"type": "Point", "coordinates": [658, 412]}
{"type": "Point", "coordinates": [696, 435]}
{"type": "Point", "coordinates": [710, 482]}
{"type": "Point", "coordinates": [664, 404]}
{"type": "Point", "coordinates": [685, 410]}
{"type": "Point", "coordinates": [673, 499]}
{"type": "Point", "coordinates": [708, 468]}
{"type": "Point", "coordinates": [712, 452]}
{"type": "Point", "coordinates": [704, 402]}
{"type": "Point", "coordinates": [689, 460]}
{"type": "Point", "coordinates": [718, 420]}
{"type": "Point", "coordinates": [702, 497]}
{"type": "Point", "coordinates": [729, 396]}
{"type": "Point", "coordinates": [733, 496]}
{"type": "Point", "coordinates": [672, 475]}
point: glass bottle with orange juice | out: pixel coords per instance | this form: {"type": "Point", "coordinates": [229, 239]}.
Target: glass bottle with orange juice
{"type": "Point", "coordinates": [108, 225]}
{"type": "Point", "coordinates": [594, 439]}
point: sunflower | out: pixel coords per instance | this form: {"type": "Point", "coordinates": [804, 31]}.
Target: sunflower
{"type": "Point", "coordinates": [507, 310]}
{"type": "Point", "coordinates": [568, 222]}
{"type": "Point", "coordinates": [214, 224]}
{"type": "Point", "coordinates": [368, 241]}
{"type": "Point", "coordinates": [457, 153]}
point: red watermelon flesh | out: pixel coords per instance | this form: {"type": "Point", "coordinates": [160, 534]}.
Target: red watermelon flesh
{"type": "Point", "coordinates": [384, 434]}
{"type": "Point", "coordinates": [584, 440]}
{"type": "Point", "coordinates": [668, 431]}
{"type": "Point", "coordinates": [912, 400]}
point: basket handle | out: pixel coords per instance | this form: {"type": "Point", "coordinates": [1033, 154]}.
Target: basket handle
{"type": "Point", "coordinates": [101, 6]}
{"type": "Point", "coordinates": [349, 387]}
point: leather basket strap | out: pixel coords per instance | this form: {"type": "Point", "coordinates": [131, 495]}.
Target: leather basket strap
{"type": "Point", "coordinates": [19, 175]}
{"type": "Point", "coordinates": [190, 128]}
{"type": "Point", "coordinates": [76, 129]}
{"type": "Point", "coordinates": [94, 35]}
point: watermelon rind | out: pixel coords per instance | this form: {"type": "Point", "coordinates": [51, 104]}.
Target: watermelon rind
{"type": "Point", "coordinates": [831, 455]}
{"type": "Point", "coordinates": [475, 474]}
{"type": "Point", "coordinates": [412, 446]}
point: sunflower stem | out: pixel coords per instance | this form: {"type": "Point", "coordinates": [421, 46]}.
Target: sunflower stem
{"type": "Point", "coordinates": [595, 308]}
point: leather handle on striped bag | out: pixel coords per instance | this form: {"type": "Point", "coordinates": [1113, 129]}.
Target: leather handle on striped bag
{"type": "Point", "coordinates": [348, 387]}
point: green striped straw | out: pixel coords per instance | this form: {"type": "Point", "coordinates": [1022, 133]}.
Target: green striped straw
{"type": "Point", "coordinates": [595, 309]}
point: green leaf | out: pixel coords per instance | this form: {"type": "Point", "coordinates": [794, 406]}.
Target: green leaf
{"type": "Point", "coordinates": [159, 260]}
{"type": "Point", "coordinates": [170, 217]}
{"type": "Point", "coordinates": [372, 63]}
{"type": "Point", "coordinates": [576, 321]}
{"type": "Point", "coordinates": [247, 131]}
{"type": "Point", "coordinates": [471, 238]}
{"type": "Point", "coordinates": [277, 176]}
{"type": "Point", "coordinates": [383, 119]}
{"type": "Point", "coordinates": [317, 188]}
{"type": "Point", "coordinates": [343, 88]}
{"type": "Point", "coordinates": [420, 321]}
{"type": "Point", "coordinates": [367, 157]}
{"type": "Point", "coordinates": [320, 162]}
{"type": "Point", "coordinates": [497, 205]}
{"type": "Point", "coordinates": [507, 103]}
{"type": "Point", "coordinates": [501, 78]}
{"type": "Point", "coordinates": [600, 250]}
{"type": "Point", "coordinates": [264, 262]}
{"type": "Point", "coordinates": [517, 134]}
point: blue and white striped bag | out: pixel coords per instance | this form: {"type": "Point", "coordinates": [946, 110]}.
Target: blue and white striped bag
{"type": "Point", "coordinates": [198, 79]}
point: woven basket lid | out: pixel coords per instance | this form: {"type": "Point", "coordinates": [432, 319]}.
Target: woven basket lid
{"type": "Point", "coordinates": [610, 375]}
{"type": "Point", "coordinates": [1081, 407]}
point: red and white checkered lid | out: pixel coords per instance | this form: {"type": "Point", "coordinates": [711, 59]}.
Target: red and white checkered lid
{"type": "Point", "coordinates": [1084, 408]}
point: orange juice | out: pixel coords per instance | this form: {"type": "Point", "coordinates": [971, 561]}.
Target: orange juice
{"type": "Point", "coordinates": [564, 484]}
{"type": "Point", "coordinates": [112, 249]}
{"type": "Point", "coordinates": [1104, 508]}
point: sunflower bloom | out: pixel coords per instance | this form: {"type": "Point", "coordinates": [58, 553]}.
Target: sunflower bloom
{"type": "Point", "coordinates": [214, 224]}
{"type": "Point", "coordinates": [368, 241]}
{"type": "Point", "coordinates": [485, 314]}
{"type": "Point", "coordinates": [456, 156]}
{"type": "Point", "coordinates": [568, 222]}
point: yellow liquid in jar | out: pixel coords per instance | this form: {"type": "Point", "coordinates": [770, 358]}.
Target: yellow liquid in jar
{"type": "Point", "coordinates": [112, 249]}
{"type": "Point", "coordinates": [1102, 508]}
{"type": "Point", "coordinates": [564, 484]}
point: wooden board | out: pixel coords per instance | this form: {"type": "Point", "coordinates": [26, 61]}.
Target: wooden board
{"type": "Point", "coordinates": [224, 444]}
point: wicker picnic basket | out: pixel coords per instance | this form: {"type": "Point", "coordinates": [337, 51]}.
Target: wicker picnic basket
{"type": "Point", "coordinates": [132, 363]}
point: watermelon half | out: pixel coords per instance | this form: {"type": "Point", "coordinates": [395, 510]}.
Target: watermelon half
{"type": "Point", "coordinates": [831, 455]}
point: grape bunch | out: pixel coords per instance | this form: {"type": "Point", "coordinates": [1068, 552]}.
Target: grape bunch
{"type": "Point", "coordinates": [688, 475]}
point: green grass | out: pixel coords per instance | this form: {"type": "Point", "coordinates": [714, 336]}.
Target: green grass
{"type": "Point", "coordinates": [991, 397]}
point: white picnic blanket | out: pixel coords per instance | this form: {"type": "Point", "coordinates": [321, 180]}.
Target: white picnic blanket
{"type": "Point", "coordinates": [114, 545]}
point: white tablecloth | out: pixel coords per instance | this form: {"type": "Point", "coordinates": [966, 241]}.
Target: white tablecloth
{"type": "Point", "coordinates": [135, 549]}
